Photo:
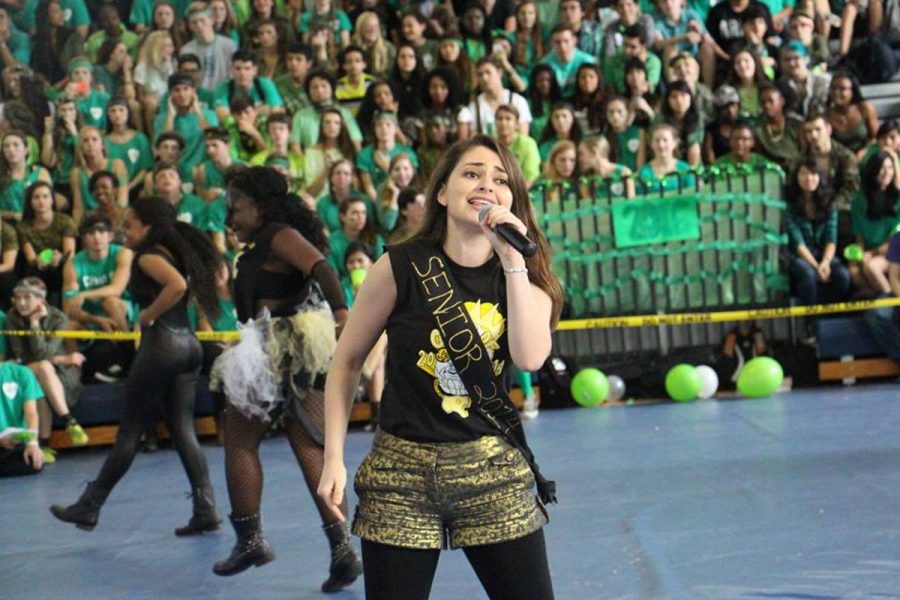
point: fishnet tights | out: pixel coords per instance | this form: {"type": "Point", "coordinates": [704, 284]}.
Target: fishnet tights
{"type": "Point", "coordinates": [243, 468]}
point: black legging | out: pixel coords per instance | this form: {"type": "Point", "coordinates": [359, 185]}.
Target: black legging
{"type": "Point", "coordinates": [510, 570]}
{"type": "Point", "coordinates": [164, 372]}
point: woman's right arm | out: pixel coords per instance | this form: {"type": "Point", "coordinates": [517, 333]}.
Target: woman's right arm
{"type": "Point", "coordinates": [371, 309]}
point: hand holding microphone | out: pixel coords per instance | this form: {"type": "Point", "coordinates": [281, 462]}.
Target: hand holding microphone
{"type": "Point", "coordinates": [515, 238]}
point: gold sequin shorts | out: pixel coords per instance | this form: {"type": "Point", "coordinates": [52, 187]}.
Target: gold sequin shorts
{"type": "Point", "coordinates": [424, 495]}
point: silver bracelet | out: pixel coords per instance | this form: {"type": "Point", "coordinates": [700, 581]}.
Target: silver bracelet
{"type": "Point", "coordinates": [515, 270]}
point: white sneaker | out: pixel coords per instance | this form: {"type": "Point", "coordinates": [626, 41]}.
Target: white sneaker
{"type": "Point", "coordinates": [530, 408]}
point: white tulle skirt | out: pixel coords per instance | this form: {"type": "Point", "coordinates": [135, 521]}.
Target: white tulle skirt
{"type": "Point", "coordinates": [277, 359]}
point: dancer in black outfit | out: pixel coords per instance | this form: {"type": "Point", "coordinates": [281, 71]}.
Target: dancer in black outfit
{"type": "Point", "coordinates": [168, 255]}
{"type": "Point", "coordinates": [280, 289]}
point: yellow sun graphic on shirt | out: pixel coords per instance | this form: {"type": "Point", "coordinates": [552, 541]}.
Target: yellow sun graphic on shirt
{"type": "Point", "coordinates": [490, 324]}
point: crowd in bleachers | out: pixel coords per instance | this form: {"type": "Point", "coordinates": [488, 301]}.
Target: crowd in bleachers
{"type": "Point", "coordinates": [354, 102]}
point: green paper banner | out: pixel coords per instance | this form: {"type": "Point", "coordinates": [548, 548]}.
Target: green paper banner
{"type": "Point", "coordinates": [655, 221]}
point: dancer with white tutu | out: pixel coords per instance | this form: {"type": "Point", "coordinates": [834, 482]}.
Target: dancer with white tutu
{"type": "Point", "coordinates": [287, 299]}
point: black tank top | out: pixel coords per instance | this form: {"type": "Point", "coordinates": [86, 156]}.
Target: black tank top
{"type": "Point", "coordinates": [424, 400]}
{"type": "Point", "coordinates": [144, 290]}
{"type": "Point", "coordinates": [253, 283]}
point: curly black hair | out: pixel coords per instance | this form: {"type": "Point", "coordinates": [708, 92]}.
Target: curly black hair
{"type": "Point", "coordinates": [269, 190]}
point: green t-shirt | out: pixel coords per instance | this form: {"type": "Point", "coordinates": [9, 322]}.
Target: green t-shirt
{"type": "Point", "coordinates": [565, 72]}
{"type": "Point", "coordinates": [93, 274]}
{"type": "Point", "coordinates": [93, 108]}
{"type": "Point", "coordinates": [339, 242]}
{"type": "Point", "coordinates": [649, 183]}
{"type": "Point", "coordinates": [329, 211]}
{"type": "Point", "coordinates": [88, 199]}
{"type": "Point", "coordinates": [629, 142]}
{"type": "Point", "coordinates": [227, 320]}
{"type": "Point", "coordinates": [18, 385]}
{"type": "Point", "coordinates": [365, 161]}
{"type": "Point", "coordinates": [136, 153]}
{"type": "Point", "coordinates": [75, 13]}
{"type": "Point", "coordinates": [142, 10]}
{"type": "Point", "coordinates": [874, 232]}
{"type": "Point", "coordinates": [188, 127]}
{"type": "Point", "coordinates": [336, 21]}
{"type": "Point", "coordinates": [293, 95]}
{"type": "Point", "coordinates": [263, 91]}
{"type": "Point", "coordinates": [216, 210]}
{"type": "Point", "coordinates": [192, 210]}
{"type": "Point", "coordinates": [12, 198]}
{"type": "Point", "coordinates": [305, 126]}
{"type": "Point", "coordinates": [614, 72]}
{"type": "Point", "coordinates": [525, 149]}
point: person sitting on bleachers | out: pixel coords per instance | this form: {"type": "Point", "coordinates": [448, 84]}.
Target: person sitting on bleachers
{"type": "Point", "coordinates": [56, 370]}
{"type": "Point", "coordinates": [741, 143]}
{"type": "Point", "coordinates": [885, 321]}
{"type": "Point", "coordinates": [839, 162]}
{"type": "Point", "coordinates": [20, 452]}
{"type": "Point", "coordinates": [95, 279]}
{"type": "Point", "coordinates": [810, 88]}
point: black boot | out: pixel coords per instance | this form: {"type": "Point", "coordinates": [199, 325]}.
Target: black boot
{"type": "Point", "coordinates": [345, 565]}
{"type": "Point", "coordinates": [85, 512]}
{"type": "Point", "coordinates": [251, 548]}
{"type": "Point", "coordinates": [205, 517]}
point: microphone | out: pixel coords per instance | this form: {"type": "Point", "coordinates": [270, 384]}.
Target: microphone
{"type": "Point", "coordinates": [513, 236]}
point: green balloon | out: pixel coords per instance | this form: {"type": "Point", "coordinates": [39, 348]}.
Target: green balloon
{"type": "Point", "coordinates": [46, 256]}
{"type": "Point", "coordinates": [853, 252]}
{"type": "Point", "coordinates": [760, 377]}
{"type": "Point", "coordinates": [589, 387]}
{"type": "Point", "coordinates": [683, 383]}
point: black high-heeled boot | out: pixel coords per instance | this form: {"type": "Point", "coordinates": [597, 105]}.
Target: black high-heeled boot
{"type": "Point", "coordinates": [251, 548]}
{"type": "Point", "coordinates": [345, 564]}
{"type": "Point", "coordinates": [85, 512]}
{"type": "Point", "coordinates": [205, 517]}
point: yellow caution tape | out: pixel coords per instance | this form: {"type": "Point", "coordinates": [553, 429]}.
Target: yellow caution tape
{"type": "Point", "coordinates": [119, 336]}
{"type": "Point", "coordinates": [725, 316]}
{"type": "Point", "coordinates": [570, 325]}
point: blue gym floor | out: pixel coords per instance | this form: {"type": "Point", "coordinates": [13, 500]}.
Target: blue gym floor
{"type": "Point", "coordinates": [796, 496]}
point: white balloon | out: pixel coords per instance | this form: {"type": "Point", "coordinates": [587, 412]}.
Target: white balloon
{"type": "Point", "coordinates": [710, 382]}
{"type": "Point", "coordinates": [616, 388]}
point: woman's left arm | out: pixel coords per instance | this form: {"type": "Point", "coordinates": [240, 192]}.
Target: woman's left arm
{"type": "Point", "coordinates": [297, 251]}
{"type": "Point", "coordinates": [174, 286]}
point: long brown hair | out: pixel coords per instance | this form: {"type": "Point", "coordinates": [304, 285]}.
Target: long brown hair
{"type": "Point", "coordinates": [434, 227]}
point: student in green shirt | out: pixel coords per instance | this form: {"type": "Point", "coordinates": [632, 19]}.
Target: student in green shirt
{"type": "Point", "coordinates": [355, 225]}
{"type": "Point", "coordinates": [245, 80]}
{"type": "Point", "coordinates": [340, 187]}
{"type": "Point", "coordinates": [127, 144]}
{"type": "Point", "coordinates": [680, 111]}
{"type": "Point", "coordinates": [305, 127]}
{"type": "Point", "coordinates": [298, 60]}
{"type": "Point", "coordinates": [16, 175]}
{"type": "Point", "coordinates": [209, 182]}
{"type": "Point", "coordinates": [19, 455]}
{"type": "Point", "coordinates": [523, 147]}
{"type": "Point", "coordinates": [373, 161]}
{"type": "Point", "coordinates": [566, 58]}
{"type": "Point", "coordinates": [94, 280]}
{"type": "Point", "coordinates": [611, 179]}
{"type": "Point", "coordinates": [278, 130]}
{"type": "Point", "coordinates": [189, 208]}
{"type": "Point", "coordinates": [741, 142]}
{"type": "Point", "coordinates": [632, 47]}
{"type": "Point", "coordinates": [875, 215]}
{"type": "Point", "coordinates": [665, 173]}
{"type": "Point", "coordinates": [184, 115]}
